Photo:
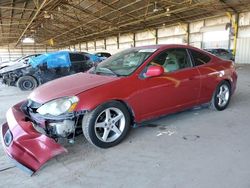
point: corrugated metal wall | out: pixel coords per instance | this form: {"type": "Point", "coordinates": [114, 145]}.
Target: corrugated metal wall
{"type": "Point", "coordinates": [243, 51]}
{"type": "Point", "coordinates": [172, 35]}
{"type": "Point", "coordinates": [7, 54]}
{"type": "Point", "coordinates": [126, 41]}
{"type": "Point", "coordinates": [243, 43]}
{"type": "Point", "coordinates": [145, 38]}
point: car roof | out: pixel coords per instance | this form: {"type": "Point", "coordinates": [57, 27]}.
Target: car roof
{"type": "Point", "coordinates": [160, 46]}
{"type": "Point", "coordinates": [166, 46]}
{"type": "Point", "coordinates": [102, 53]}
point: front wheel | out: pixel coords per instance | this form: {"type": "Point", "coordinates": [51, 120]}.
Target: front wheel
{"type": "Point", "coordinates": [107, 125]}
{"type": "Point", "coordinates": [27, 83]}
{"type": "Point", "coordinates": [221, 96]}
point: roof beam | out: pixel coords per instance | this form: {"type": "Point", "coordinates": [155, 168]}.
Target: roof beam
{"type": "Point", "coordinates": [90, 21]}
{"type": "Point", "coordinates": [78, 4]}
{"type": "Point", "coordinates": [126, 23]}
{"type": "Point", "coordinates": [89, 13]}
{"type": "Point", "coordinates": [115, 9]}
{"type": "Point", "coordinates": [34, 17]}
{"type": "Point", "coordinates": [230, 7]}
{"type": "Point", "coordinates": [36, 3]}
{"type": "Point", "coordinates": [16, 8]}
{"type": "Point", "coordinates": [11, 14]}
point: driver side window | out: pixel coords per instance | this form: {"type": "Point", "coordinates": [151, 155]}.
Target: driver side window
{"type": "Point", "coordinates": [172, 60]}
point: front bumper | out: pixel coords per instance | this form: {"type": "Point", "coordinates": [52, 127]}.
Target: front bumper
{"type": "Point", "coordinates": [22, 143]}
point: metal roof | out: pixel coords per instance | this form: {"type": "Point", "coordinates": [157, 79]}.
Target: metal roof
{"type": "Point", "coordinates": [69, 22]}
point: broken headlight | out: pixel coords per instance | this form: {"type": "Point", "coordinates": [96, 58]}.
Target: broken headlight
{"type": "Point", "coordinates": [58, 106]}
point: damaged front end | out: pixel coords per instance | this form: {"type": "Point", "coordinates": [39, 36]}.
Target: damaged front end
{"type": "Point", "coordinates": [10, 75]}
{"type": "Point", "coordinates": [10, 78]}
{"type": "Point", "coordinates": [30, 139]}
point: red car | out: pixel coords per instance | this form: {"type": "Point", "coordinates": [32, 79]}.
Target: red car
{"type": "Point", "coordinates": [130, 87]}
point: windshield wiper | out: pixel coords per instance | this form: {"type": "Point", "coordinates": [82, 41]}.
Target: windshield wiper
{"type": "Point", "coordinates": [105, 68]}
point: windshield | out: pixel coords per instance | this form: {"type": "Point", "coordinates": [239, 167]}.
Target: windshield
{"type": "Point", "coordinates": [123, 63]}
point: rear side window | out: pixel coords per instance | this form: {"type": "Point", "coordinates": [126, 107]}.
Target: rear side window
{"type": "Point", "coordinates": [78, 57]}
{"type": "Point", "coordinates": [105, 55]}
{"type": "Point", "coordinates": [199, 58]}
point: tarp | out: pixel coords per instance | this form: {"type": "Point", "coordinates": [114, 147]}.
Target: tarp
{"type": "Point", "coordinates": [95, 58]}
{"type": "Point", "coordinates": [53, 60]}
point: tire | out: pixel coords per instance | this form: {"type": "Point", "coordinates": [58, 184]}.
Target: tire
{"type": "Point", "coordinates": [107, 125]}
{"type": "Point", "coordinates": [221, 96]}
{"type": "Point", "coordinates": [27, 83]}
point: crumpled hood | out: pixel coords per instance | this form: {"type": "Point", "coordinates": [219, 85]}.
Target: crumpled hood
{"type": "Point", "coordinates": [13, 66]}
{"type": "Point", "coordinates": [69, 86]}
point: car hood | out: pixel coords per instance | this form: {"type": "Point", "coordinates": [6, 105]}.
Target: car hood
{"type": "Point", "coordinates": [6, 63]}
{"type": "Point", "coordinates": [69, 86]}
{"type": "Point", "coordinates": [12, 66]}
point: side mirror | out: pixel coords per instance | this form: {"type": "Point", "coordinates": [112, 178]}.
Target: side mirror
{"type": "Point", "coordinates": [153, 71]}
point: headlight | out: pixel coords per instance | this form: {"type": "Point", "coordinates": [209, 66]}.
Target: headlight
{"type": "Point", "coordinates": [59, 106]}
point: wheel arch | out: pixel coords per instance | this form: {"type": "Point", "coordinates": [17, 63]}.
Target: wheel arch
{"type": "Point", "coordinates": [229, 82]}
{"type": "Point", "coordinates": [130, 110]}
{"type": "Point", "coordinates": [30, 76]}
{"type": "Point", "coordinates": [123, 102]}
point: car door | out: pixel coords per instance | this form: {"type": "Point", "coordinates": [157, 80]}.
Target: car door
{"type": "Point", "coordinates": [176, 89]}
{"type": "Point", "coordinates": [208, 71]}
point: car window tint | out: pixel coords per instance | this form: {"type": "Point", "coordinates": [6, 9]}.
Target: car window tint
{"type": "Point", "coordinates": [77, 57]}
{"type": "Point", "coordinates": [199, 58]}
{"type": "Point", "coordinates": [172, 60]}
{"type": "Point", "coordinates": [106, 55]}
{"type": "Point", "coordinates": [82, 57]}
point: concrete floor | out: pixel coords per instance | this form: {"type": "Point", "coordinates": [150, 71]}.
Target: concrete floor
{"type": "Point", "coordinates": [193, 149]}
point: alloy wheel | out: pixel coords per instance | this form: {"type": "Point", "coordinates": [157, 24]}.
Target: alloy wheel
{"type": "Point", "coordinates": [223, 95]}
{"type": "Point", "coordinates": [110, 124]}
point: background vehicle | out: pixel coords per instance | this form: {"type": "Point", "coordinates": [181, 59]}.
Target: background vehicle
{"type": "Point", "coordinates": [103, 55]}
{"type": "Point", "coordinates": [128, 88]}
{"type": "Point", "coordinates": [44, 68]}
{"type": "Point", "coordinates": [94, 58]}
{"type": "Point", "coordinates": [20, 60]}
{"type": "Point", "coordinates": [221, 53]}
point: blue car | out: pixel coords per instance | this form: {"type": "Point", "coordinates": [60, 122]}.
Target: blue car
{"type": "Point", "coordinates": [44, 68]}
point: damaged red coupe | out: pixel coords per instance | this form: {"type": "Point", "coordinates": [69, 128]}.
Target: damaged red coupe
{"type": "Point", "coordinates": [128, 88]}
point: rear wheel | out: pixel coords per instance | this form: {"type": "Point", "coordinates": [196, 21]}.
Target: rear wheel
{"type": "Point", "coordinates": [27, 83]}
{"type": "Point", "coordinates": [221, 96]}
{"type": "Point", "coordinates": [107, 125]}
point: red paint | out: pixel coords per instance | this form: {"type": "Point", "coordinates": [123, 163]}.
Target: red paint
{"type": "Point", "coordinates": [157, 94]}
{"type": "Point", "coordinates": [154, 71]}
{"type": "Point", "coordinates": [28, 147]}
{"type": "Point", "coordinates": [68, 86]}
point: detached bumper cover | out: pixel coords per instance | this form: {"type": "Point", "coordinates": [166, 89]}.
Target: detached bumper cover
{"type": "Point", "coordinates": [24, 144]}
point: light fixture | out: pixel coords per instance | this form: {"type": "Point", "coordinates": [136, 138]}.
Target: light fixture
{"type": "Point", "coordinates": [46, 15]}
{"type": "Point", "coordinates": [168, 12]}
{"type": "Point", "coordinates": [28, 40]}
{"type": "Point", "coordinates": [155, 7]}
